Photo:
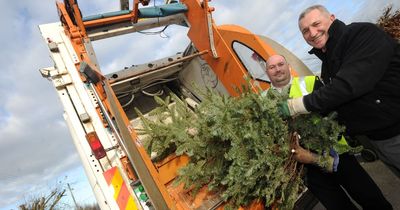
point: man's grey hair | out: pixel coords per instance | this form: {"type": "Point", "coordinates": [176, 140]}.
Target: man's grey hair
{"type": "Point", "coordinates": [319, 7]}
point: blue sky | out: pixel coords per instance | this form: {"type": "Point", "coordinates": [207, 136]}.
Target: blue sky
{"type": "Point", "coordinates": [36, 150]}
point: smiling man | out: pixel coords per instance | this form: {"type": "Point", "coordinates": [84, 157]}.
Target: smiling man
{"type": "Point", "coordinates": [315, 27]}
{"type": "Point", "coordinates": [278, 70]}
{"type": "Point", "coordinates": [361, 72]}
{"type": "Point", "coordinates": [326, 179]}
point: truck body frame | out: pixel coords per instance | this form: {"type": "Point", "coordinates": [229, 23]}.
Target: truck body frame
{"type": "Point", "coordinates": [98, 108]}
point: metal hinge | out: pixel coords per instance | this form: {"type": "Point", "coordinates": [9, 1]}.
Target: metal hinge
{"type": "Point", "coordinates": [61, 82]}
{"type": "Point", "coordinates": [52, 71]}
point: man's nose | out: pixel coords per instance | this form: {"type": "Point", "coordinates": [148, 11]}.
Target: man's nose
{"type": "Point", "coordinates": [313, 32]}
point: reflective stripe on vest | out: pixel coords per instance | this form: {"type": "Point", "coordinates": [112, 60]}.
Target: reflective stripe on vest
{"type": "Point", "coordinates": [301, 86]}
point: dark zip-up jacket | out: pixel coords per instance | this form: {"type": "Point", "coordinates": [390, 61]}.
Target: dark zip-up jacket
{"type": "Point", "coordinates": [361, 72]}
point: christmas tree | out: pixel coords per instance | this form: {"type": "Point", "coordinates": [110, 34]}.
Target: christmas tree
{"type": "Point", "coordinates": [239, 146]}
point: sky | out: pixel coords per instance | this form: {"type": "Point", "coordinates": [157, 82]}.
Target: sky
{"type": "Point", "coordinates": [36, 149]}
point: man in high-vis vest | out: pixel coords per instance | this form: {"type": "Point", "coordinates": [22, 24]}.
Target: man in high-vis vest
{"type": "Point", "coordinates": [326, 181]}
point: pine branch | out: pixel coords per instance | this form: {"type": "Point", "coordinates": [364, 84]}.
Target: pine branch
{"type": "Point", "coordinates": [238, 145]}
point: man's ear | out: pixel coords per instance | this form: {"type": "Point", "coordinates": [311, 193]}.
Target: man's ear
{"type": "Point", "coordinates": [332, 17]}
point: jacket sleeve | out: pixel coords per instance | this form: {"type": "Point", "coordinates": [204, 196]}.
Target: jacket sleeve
{"type": "Point", "coordinates": [363, 61]}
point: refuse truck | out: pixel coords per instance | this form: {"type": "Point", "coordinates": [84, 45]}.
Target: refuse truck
{"type": "Point", "coordinates": [99, 108]}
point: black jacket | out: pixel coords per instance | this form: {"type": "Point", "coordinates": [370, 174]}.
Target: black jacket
{"type": "Point", "coordinates": [361, 72]}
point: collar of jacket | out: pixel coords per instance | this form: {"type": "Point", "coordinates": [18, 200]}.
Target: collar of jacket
{"type": "Point", "coordinates": [335, 31]}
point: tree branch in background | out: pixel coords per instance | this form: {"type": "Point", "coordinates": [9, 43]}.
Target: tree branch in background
{"type": "Point", "coordinates": [390, 22]}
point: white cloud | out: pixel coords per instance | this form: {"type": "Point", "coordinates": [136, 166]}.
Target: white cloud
{"type": "Point", "coordinates": [35, 144]}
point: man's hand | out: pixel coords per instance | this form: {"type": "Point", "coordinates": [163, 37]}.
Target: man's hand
{"type": "Point", "coordinates": [329, 163]}
{"type": "Point", "coordinates": [292, 107]}
{"type": "Point", "coordinates": [302, 155]}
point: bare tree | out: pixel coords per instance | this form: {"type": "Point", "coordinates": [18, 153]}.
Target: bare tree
{"type": "Point", "coordinates": [390, 22]}
{"type": "Point", "coordinates": [48, 202]}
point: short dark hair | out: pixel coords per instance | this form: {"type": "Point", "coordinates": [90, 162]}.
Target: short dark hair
{"type": "Point", "coordinates": [266, 63]}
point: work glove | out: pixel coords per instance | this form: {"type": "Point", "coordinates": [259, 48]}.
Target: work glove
{"type": "Point", "coordinates": [329, 162]}
{"type": "Point", "coordinates": [284, 109]}
{"type": "Point", "coordinates": [292, 107]}
{"type": "Point", "coordinates": [335, 157]}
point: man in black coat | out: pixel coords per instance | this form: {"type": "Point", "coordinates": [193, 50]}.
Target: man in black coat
{"type": "Point", "coordinates": [326, 180]}
{"type": "Point", "coordinates": [361, 72]}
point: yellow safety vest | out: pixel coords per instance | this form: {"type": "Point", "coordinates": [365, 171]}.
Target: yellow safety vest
{"type": "Point", "coordinates": [301, 86]}
{"type": "Point", "coordinates": [305, 85]}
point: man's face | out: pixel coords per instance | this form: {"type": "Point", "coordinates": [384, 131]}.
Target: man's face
{"type": "Point", "coordinates": [278, 71]}
{"type": "Point", "coordinates": [314, 27]}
